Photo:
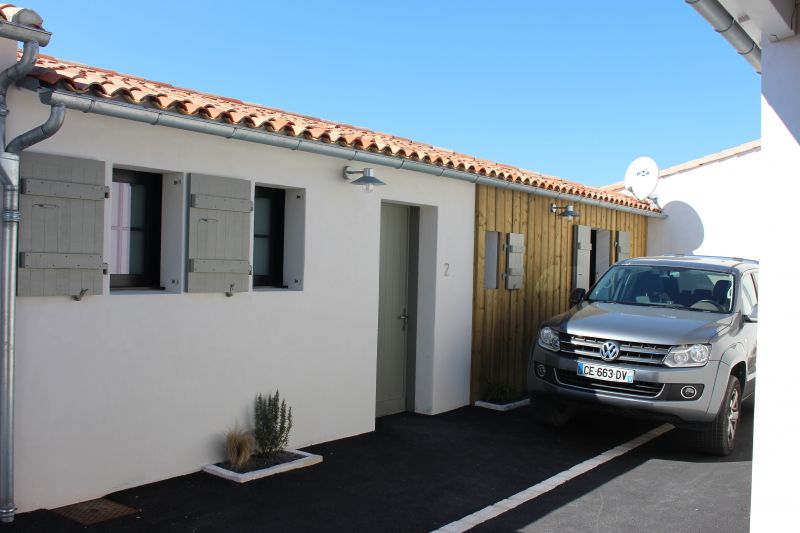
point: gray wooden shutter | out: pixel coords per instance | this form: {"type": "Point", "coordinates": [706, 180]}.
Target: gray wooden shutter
{"type": "Point", "coordinates": [219, 234]}
{"type": "Point", "coordinates": [602, 255]}
{"type": "Point", "coordinates": [581, 256]}
{"type": "Point", "coordinates": [515, 252]}
{"type": "Point", "coordinates": [61, 230]}
{"type": "Point", "coordinates": [623, 245]}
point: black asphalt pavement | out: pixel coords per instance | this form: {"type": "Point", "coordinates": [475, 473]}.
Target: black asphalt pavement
{"type": "Point", "coordinates": [418, 473]}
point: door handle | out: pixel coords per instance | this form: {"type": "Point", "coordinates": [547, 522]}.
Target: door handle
{"type": "Point", "coordinates": [404, 318]}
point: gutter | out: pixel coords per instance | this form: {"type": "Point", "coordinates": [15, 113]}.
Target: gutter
{"type": "Point", "coordinates": [24, 27]}
{"type": "Point", "coordinates": [724, 23]}
{"type": "Point", "coordinates": [156, 117]}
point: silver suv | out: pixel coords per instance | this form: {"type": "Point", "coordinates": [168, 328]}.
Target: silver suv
{"type": "Point", "coordinates": [671, 337]}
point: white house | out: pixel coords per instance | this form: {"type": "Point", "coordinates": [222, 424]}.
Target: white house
{"type": "Point", "coordinates": [765, 31]}
{"type": "Point", "coordinates": [707, 204]}
{"type": "Point", "coordinates": [180, 252]}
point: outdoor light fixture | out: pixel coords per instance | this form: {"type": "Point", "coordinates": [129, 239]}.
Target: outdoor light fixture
{"type": "Point", "coordinates": [566, 211]}
{"type": "Point", "coordinates": [367, 179]}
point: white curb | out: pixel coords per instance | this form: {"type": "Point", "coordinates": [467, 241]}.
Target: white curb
{"type": "Point", "coordinates": [308, 459]}
{"type": "Point", "coordinates": [503, 406]}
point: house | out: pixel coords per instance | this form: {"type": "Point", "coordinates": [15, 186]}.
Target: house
{"type": "Point", "coordinates": [706, 205]}
{"type": "Point", "coordinates": [180, 252]}
{"type": "Point", "coordinates": [765, 31]}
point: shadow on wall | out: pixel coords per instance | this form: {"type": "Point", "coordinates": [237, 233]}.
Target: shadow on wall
{"type": "Point", "coordinates": [682, 229]}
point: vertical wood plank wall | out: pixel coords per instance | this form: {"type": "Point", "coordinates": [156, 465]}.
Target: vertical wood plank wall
{"type": "Point", "coordinates": [505, 322]}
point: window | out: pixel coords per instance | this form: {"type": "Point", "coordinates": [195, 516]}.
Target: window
{"type": "Point", "coordinates": [749, 295]}
{"type": "Point", "coordinates": [678, 288]}
{"type": "Point", "coordinates": [135, 230]}
{"type": "Point", "coordinates": [268, 216]}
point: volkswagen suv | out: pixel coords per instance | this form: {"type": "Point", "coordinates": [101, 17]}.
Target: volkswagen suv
{"type": "Point", "coordinates": [670, 337]}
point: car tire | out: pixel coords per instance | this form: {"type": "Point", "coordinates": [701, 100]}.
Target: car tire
{"type": "Point", "coordinates": [719, 437]}
{"type": "Point", "coordinates": [549, 411]}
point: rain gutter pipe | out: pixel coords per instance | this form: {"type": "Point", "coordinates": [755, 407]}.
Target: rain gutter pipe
{"type": "Point", "coordinates": [724, 23]}
{"type": "Point", "coordinates": [19, 29]}
{"type": "Point", "coordinates": [109, 108]}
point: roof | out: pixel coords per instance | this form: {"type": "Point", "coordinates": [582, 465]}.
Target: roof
{"type": "Point", "coordinates": [103, 83]}
{"type": "Point", "coordinates": [708, 262]}
{"type": "Point", "coordinates": [736, 151]}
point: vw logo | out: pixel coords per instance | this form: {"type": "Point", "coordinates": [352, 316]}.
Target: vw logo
{"type": "Point", "coordinates": [609, 351]}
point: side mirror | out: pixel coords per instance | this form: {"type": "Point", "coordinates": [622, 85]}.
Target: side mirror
{"type": "Point", "coordinates": [753, 316]}
{"type": "Point", "coordinates": [576, 296]}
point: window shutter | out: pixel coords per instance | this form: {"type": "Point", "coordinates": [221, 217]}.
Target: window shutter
{"type": "Point", "coordinates": [61, 230]}
{"type": "Point", "coordinates": [515, 253]}
{"type": "Point", "coordinates": [623, 245]}
{"type": "Point", "coordinates": [581, 256]}
{"type": "Point", "coordinates": [602, 255]}
{"type": "Point", "coordinates": [219, 234]}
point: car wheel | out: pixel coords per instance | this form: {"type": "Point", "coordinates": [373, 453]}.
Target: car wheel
{"type": "Point", "coordinates": [549, 411]}
{"type": "Point", "coordinates": [719, 438]}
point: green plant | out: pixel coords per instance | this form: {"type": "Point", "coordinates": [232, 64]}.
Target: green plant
{"type": "Point", "coordinates": [501, 393]}
{"type": "Point", "coordinates": [273, 423]}
{"type": "Point", "coordinates": [240, 446]}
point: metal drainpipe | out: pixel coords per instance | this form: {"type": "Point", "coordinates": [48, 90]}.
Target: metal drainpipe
{"type": "Point", "coordinates": [9, 175]}
{"type": "Point", "coordinates": [726, 25]}
{"type": "Point", "coordinates": [89, 104]}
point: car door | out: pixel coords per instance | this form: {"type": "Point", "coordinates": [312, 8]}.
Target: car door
{"type": "Point", "coordinates": [749, 300]}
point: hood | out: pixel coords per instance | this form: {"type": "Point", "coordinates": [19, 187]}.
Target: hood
{"type": "Point", "coordinates": [642, 324]}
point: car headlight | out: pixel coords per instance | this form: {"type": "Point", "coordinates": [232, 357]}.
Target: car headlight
{"type": "Point", "coordinates": [548, 338]}
{"type": "Point", "coordinates": [689, 355]}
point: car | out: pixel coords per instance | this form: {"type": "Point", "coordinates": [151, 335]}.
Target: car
{"type": "Point", "coordinates": [667, 338]}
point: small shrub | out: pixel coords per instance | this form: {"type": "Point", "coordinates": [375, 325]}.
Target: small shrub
{"type": "Point", "coordinates": [273, 424]}
{"type": "Point", "coordinates": [240, 446]}
{"type": "Point", "coordinates": [501, 393]}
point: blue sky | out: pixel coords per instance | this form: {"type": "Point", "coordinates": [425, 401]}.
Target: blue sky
{"type": "Point", "coordinates": [575, 89]}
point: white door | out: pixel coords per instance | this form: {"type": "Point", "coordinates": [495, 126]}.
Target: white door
{"type": "Point", "coordinates": [392, 311]}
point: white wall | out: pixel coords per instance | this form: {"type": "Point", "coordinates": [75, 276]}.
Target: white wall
{"type": "Point", "coordinates": [775, 465]}
{"type": "Point", "coordinates": [123, 389]}
{"type": "Point", "coordinates": [710, 210]}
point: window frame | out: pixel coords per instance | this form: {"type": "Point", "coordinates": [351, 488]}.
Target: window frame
{"type": "Point", "coordinates": [275, 237]}
{"type": "Point", "coordinates": [151, 278]}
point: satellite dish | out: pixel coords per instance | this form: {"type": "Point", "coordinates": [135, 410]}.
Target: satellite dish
{"type": "Point", "coordinates": [641, 178]}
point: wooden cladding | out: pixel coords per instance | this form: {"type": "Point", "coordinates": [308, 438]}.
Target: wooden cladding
{"type": "Point", "coordinates": [505, 322]}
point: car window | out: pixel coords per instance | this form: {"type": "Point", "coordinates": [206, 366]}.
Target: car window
{"type": "Point", "coordinates": [749, 295]}
{"type": "Point", "coordinates": [688, 288]}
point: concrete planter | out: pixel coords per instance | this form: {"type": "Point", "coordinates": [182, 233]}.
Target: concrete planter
{"type": "Point", "coordinates": [503, 406]}
{"type": "Point", "coordinates": [307, 459]}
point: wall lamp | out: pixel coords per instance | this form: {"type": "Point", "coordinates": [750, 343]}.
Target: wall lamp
{"type": "Point", "coordinates": [367, 179]}
{"type": "Point", "coordinates": [566, 211]}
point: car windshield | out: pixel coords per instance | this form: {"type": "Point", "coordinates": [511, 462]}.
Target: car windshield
{"type": "Point", "coordinates": [680, 288]}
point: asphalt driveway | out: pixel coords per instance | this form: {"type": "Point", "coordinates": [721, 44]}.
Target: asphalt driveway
{"type": "Point", "coordinates": [419, 473]}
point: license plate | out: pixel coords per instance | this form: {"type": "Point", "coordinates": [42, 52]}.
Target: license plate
{"type": "Point", "coordinates": [605, 373]}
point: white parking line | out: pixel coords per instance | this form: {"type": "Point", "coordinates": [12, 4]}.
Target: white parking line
{"type": "Point", "coordinates": [495, 510]}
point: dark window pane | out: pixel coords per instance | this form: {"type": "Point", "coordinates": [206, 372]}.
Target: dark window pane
{"type": "Point", "coordinates": [268, 237]}
{"type": "Point", "coordinates": [136, 253]}
{"type": "Point", "coordinates": [261, 256]}
{"type": "Point", "coordinates": [262, 216]}
{"type": "Point", "coordinates": [138, 206]}
{"type": "Point", "coordinates": [135, 229]}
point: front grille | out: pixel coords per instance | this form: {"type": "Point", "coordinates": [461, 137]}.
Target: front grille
{"type": "Point", "coordinates": [640, 388]}
{"type": "Point", "coordinates": [630, 352]}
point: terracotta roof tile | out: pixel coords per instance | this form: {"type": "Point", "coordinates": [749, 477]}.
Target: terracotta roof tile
{"type": "Point", "coordinates": [110, 84]}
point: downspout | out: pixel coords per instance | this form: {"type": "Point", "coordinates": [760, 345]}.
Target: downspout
{"type": "Point", "coordinates": [724, 23]}
{"type": "Point", "coordinates": [9, 176]}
